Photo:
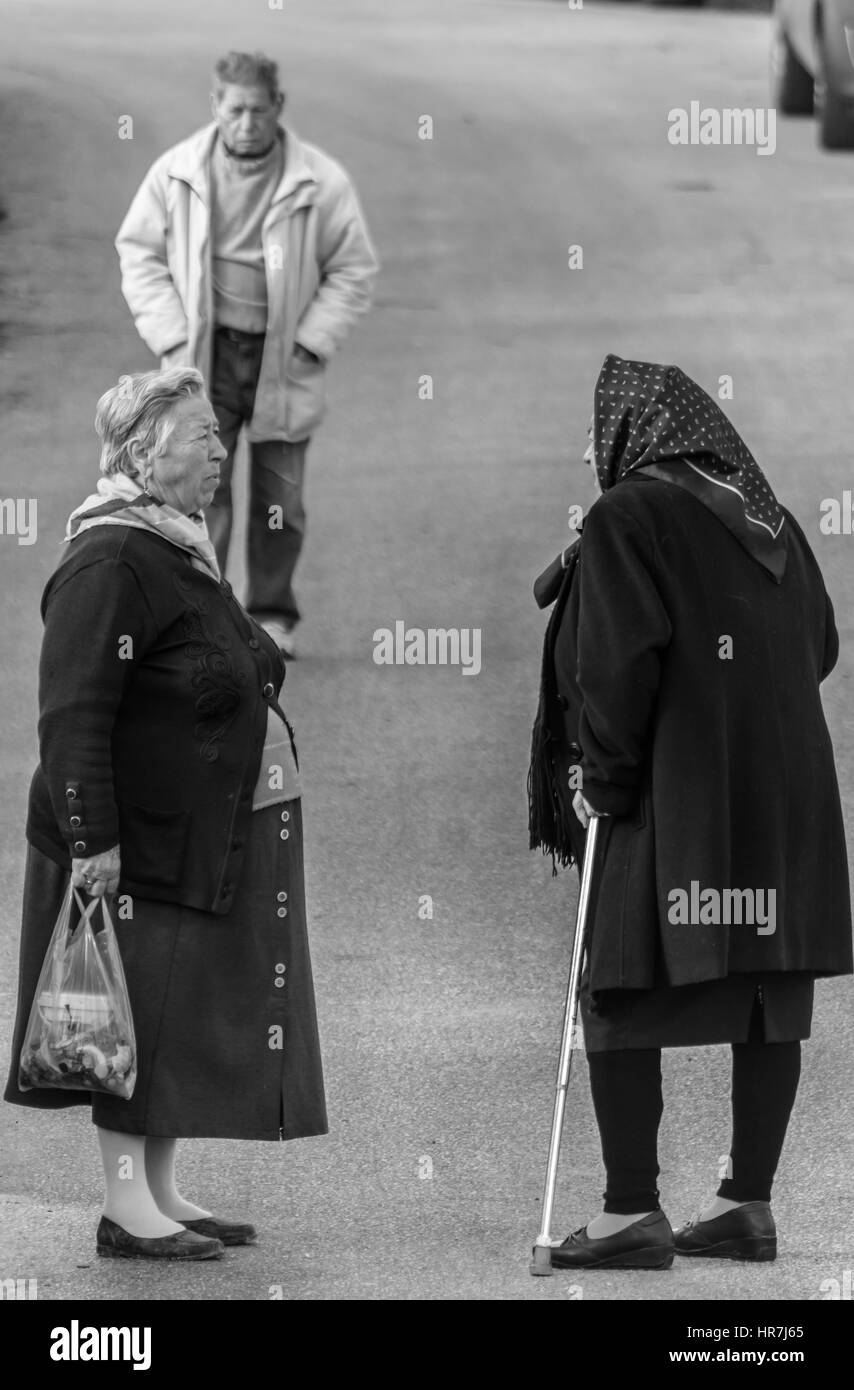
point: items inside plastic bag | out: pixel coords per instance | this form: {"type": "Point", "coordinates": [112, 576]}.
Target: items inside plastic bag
{"type": "Point", "coordinates": [80, 1033]}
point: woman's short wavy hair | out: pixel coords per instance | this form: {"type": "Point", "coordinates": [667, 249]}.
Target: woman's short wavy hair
{"type": "Point", "coordinates": [141, 407]}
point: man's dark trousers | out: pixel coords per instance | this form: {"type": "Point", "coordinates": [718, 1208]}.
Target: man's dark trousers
{"type": "Point", "coordinates": [276, 472]}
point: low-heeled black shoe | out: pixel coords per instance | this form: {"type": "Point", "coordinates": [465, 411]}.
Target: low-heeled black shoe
{"type": "Point", "coordinates": [118, 1244]}
{"type": "Point", "coordinates": [229, 1232]}
{"type": "Point", "coordinates": [646, 1244]}
{"type": "Point", "coordinates": [744, 1233]}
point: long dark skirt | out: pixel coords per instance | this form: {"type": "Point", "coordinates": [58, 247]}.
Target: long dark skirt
{"type": "Point", "coordinates": [715, 1011]}
{"type": "Point", "coordinates": [209, 994]}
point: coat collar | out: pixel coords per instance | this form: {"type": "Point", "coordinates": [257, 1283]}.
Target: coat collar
{"type": "Point", "coordinates": [190, 162]}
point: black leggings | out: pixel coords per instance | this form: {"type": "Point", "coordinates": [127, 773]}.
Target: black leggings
{"type": "Point", "coordinates": [626, 1087]}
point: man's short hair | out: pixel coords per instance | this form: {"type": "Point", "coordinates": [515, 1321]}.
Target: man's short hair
{"type": "Point", "coordinates": [140, 407]}
{"type": "Point", "coordinates": [247, 70]}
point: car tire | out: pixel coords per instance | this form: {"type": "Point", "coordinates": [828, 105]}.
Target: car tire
{"type": "Point", "coordinates": [792, 85]}
{"type": "Point", "coordinates": [835, 121]}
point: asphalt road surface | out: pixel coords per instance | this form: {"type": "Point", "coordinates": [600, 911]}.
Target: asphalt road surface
{"type": "Point", "coordinates": [440, 1035]}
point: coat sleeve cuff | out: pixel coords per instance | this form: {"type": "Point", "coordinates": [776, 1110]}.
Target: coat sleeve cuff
{"type": "Point", "coordinates": [318, 343]}
{"type": "Point", "coordinates": [92, 844]}
{"type": "Point", "coordinates": [87, 822]}
{"type": "Point", "coordinates": [163, 341]}
{"type": "Point", "coordinates": [608, 799]}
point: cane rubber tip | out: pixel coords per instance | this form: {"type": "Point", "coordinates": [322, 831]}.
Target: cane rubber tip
{"type": "Point", "coordinates": [541, 1264]}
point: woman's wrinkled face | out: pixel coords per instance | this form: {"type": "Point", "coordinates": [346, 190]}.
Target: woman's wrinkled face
{"type": "Point", "coordinates": [590, 455]}
{"type": "Point", "coordinates": [186, 474]}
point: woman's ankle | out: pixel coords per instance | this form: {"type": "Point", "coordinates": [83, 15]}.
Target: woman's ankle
{"type": "Point", "coordinates": [609, 1223]}
{"type": "Point", "coordinates": [177, 1208]}
{"type": "Point", "coordinates": [143, 1220]}
{"type": "Point", "coordinates": [719, 1206]}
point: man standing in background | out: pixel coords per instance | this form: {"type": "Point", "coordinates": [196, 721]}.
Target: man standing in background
{"type": "Point", "coordinates": [245, 254]}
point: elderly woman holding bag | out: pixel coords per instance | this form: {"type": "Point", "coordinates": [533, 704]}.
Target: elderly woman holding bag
{"type": "Point", "coordinates": [168, 776]}
{"type": "Point", "coordinates": [680, 699]}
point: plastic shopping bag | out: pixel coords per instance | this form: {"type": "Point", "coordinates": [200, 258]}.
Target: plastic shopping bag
{"type": "Point", "coordinates": [80, 1034]}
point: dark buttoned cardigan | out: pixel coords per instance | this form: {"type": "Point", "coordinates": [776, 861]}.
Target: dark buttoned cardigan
{"type": "Point", "coordinates": [154, 689]}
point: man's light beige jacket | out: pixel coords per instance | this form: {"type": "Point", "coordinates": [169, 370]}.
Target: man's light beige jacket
{"type": "Point", "coordinates": [320, 271]}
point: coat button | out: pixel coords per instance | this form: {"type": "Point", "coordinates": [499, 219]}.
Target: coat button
{"type": "Point", "coordinates": [269, 689]}
{"type": "Point", "coordinates": [286, 815]}
{"type": "Point", "coordinates": [80, 845]}
{"type": "Point", "coordinates": [575, 750]}
{"type": "Point", "coordinates": [281, 897]}
{"type": "Point", "coordinates": [75, 820]}
{"type": "Point", "coordinates": [279, 982]}
{"type": "Point", "coordinates": [283, 834]}
{"type": "Point", "coordinates": [71, 794]}
{"type": "Point", "coordinates": [254, 643]}
{"type": "Point", "coordinates": [280, 968]}
{"type": "Point", "coordinates": [281, 912]}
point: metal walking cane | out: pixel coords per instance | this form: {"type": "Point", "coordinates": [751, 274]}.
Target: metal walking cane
{"type": "Point", "coordinates": [541, 1264]}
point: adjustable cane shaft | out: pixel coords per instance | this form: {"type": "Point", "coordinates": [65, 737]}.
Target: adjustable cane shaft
{"type": "Point", "coordinates": [542, 1253]}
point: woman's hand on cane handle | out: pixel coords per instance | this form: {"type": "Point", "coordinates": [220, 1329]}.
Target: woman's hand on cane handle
{"type": "Point", "coordinates": [584, 810]}
{"type": "Point", "coordinates": [98, 874]}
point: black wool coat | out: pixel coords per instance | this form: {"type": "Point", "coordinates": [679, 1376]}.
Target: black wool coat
{"type": "Point", "coordinates": [154, 687]}
{"type": "Point", "coordinates": [687, 693]}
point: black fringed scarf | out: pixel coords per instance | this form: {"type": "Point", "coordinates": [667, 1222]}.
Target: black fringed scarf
{"type": "Point", "coordinates": [547, 813]}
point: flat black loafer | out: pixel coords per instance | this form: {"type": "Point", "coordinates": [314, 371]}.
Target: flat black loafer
{"type": "Point", "coordinates": [646, 1244]}
{"type": "Point", "coordinates": [744, 1233]}
{"type": "Point", "coordinates": [118, 1244]}
{"type": "Point", "coordinates": [229, 1232]}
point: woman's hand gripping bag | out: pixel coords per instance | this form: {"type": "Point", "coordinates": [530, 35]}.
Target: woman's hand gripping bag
{"type": "Point", "coordinates": [80, 1034]}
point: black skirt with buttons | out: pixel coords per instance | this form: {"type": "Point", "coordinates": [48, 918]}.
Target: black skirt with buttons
{"type": "Point", "coordinates": [223, 1006]}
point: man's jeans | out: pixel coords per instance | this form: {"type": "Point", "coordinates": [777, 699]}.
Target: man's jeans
{"type": "Point", "coordinates": [276, 472]}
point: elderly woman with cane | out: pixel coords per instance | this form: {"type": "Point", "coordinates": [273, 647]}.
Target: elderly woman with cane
{"type": "Point", "coordinates": [168, 775]}
{"type": "Point", "coordinates": [680, 701]}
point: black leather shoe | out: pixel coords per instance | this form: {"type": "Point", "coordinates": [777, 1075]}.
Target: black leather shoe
{"type": "Point", "coordinates": [744, 1233]}
{"type": "Point", "coordinates": [646, 1244]}
{"type": "Point", "coordinates": [117, 1243]}
{"type": "Point", "coordinates": [229, 1232]}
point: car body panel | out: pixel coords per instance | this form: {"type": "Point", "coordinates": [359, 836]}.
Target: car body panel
{"type": "Point", "coordinates": [802, 20]}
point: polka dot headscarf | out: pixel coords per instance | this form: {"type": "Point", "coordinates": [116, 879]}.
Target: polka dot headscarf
{"type": "Point", "coordinates": [656, 418]}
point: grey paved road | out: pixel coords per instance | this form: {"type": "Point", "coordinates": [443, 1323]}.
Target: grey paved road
{"type": "Point", "coordinates": [550, 129]}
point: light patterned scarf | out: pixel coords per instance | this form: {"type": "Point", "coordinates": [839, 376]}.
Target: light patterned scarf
{"type": "Point", "coordinates": [122, 501]}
